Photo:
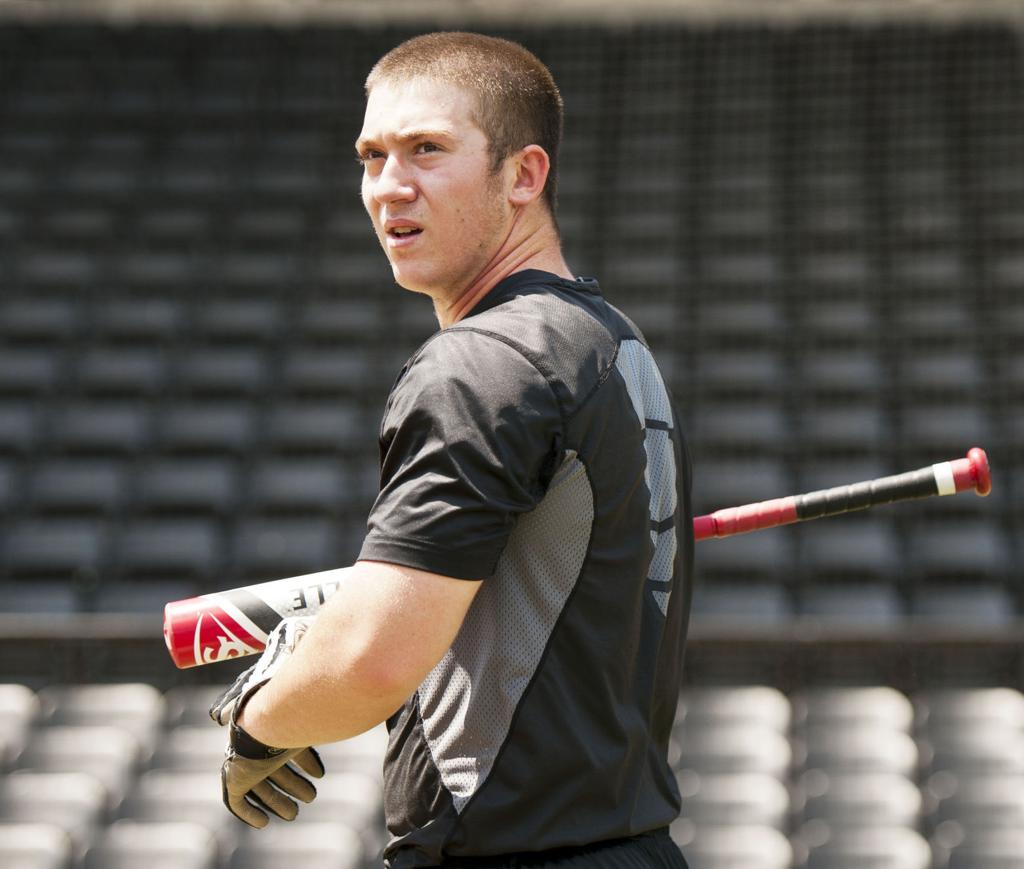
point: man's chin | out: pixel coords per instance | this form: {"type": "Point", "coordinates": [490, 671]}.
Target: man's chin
{"type": "Point", "coordinates": [412, 282]}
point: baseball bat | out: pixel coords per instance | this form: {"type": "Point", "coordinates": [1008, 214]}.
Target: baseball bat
{"type": "Point", "coordinates": [234, 623]}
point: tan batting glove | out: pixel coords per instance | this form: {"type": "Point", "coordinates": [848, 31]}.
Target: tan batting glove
{"type": "Point", "coordinates": [255, 776]}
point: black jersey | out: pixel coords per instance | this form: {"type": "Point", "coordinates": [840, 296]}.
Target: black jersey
{"type": "Point", "coordinates": [533, 445]}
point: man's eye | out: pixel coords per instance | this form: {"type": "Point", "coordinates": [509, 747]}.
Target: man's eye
{"type": "Point", "coordinates": [368, 156]}
{"type": "Point", "coordinates": [428, 148]}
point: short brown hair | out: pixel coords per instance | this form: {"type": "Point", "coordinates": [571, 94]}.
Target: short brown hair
{"type": "Point", "coordinates": [518, 102]}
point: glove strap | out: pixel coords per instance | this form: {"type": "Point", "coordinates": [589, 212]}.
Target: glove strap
{"type": "Point", "coordinates": [247, 746]}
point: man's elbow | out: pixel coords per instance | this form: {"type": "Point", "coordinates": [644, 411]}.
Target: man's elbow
{"type": "Point", "coordinates": [388, 680]}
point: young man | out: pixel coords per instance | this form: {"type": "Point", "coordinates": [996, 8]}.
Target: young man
{"type": "Point", "coordinates": [519, 607]}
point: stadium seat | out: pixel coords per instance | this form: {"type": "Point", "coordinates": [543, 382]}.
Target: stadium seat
{"type": "Point", "coordinates": [45, 319]}
{"type": "Point", "coordinates": [865, 707]}
{"type": "Point", "coordinates": [127, 844]}
{"type": "Point", "coordinates": [739, 428]}
{"type": "Point", "coordinates": [103, 427]}
{"type": "Point", "coordinates": [188, 705]}
{"type": "Point", "coordinates": [860, 799]}
{"type": "Point", "coordinates": [168, 548]}
{"type": "Point", "coordinates": [73, 801]}
{"type": "Point", "coordinates": [970, 707]}
{"type": "Point", "coordinates": [141, 598]}
{"type": "Point", "coordinates": [977, 803]}
{"type": "Point", "coordinates": [10, 486]}
{"type": "Point", "coordinates": [234, 320]}
{"type": "Point", "coordinates": [872, 848]}
{"type": "Point", "coordinates": [34, 595]}
{"type": "Point", "coordinates": [274, 224]}
{"type": "Point", "coordinates": [356, 799]}
{"type": "Point", "coordinates": [19, 426]}
{"type": "Point", "coordinates": [175, 796]}
{"type": "Point", "coordinates": [741, 604]}
{"type": "Point", "coordinates": [722, 483]}
{"type": "Point", "coordinates": [191, 747]}
{"type": "Point", "coordinates": [935, 431]}
{"type": "Point", "coordinates": [188, 486]}
{"type": "Point", "coordinates": [859, 428]}
{"type": "Point", "coordinates": [711, 706]}
{"type": "Point", "coordinates": [56, 269]}
{"type": "Point", "coordinates": [859, 748]}
{"type": "Point", "coordinates": [993, 849]}
{"type": "Point", "coordinates": [29, 372]}
{"type": "Point", "coordinates": [213, 427]}
{"type": "Point", "coordinates": [275, 547]}
{"type": "Point", "coordinates": [311, 372]}
{"type": "Point", "coordinates": [852, 606]}
{"type": "Point", "coordinates": [135, 707]}
{"type": "Point", "coordinates": [732, 847]}
{"type": "Point", "coordinates": [19, 709]}
{"type": "Point", "coordinates": [958, 550]}
{"type": "Point", "coordinates": [316, 845]}
{"type": "Point", "coordinates": [180, 224]}
{"type": "Point", "coordinates": [842, 374]}
{"type": "Point", "coordinates": [107, 753]}
{"type": "Point", "coordinates": [315, 427]}
{"type": "Point", "coordinates": [840, 318]}
{"type": "Point", "coordinates": [740, 323]}
{"type": "Point", "coordinates": [145, 321]}
{"type": "Point", "coordinates": [735, 800]}
{"type": "Point", "coordinates": [226, 372]}
{"type": "Point", "coordinates": [34, 846]}
{"type": "Point", "coordinates": [850, 549]}
{"type": "Point", "coordinates": [975, 606]}
{"type": "Point", "coordinates": [836, 269]}
{"type": "Point", "coordinates": [299, 485]}
{"type": "Point", "coordinates": [361, 754]}
{"type": "Point", "coordinates": [103, 371]}
{"type": "Point", "coordinates": [332, 320]}
{"type": "Point", "coordinates": [745, 557]}
{"type": "Point", "coordinates": [55, 547]}
{"type": "Point", "coordinates": [955, 375]}
{"type": "Point", "coordinates": [732, 749]}
{"type": "Point", "coordinates": [78, 486]}
{"type": "Point", "coordinates": [969, 750]}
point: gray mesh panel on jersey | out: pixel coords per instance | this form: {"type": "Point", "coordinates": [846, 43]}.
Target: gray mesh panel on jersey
{"type": "Point", "coordinates": [505, 633]}
{"type": "Point", "coordinates": [654, 411]}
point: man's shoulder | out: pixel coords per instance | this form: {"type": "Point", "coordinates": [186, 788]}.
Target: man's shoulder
{"type": "Point", "coordinates": [552, 316]}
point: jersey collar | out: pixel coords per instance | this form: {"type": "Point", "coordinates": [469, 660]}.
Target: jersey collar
{"type": "Point", "coordinates": [509, 287]}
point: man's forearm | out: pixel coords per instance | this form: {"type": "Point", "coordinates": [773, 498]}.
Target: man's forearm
{"type": "Point", "coordinates": [325, 692]}
{"type": "Point", "coordinates": [370, 646]}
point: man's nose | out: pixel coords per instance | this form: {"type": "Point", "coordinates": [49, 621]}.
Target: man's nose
{"type": "Point", "coordinates": [395, 183]}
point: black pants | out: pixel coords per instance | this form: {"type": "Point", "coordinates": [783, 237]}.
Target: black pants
{"type": "Point", "coordinates": [654, 850]}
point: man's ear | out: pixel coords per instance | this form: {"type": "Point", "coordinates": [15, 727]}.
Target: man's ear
{"type": "Point", "coordinates": [532, 165]}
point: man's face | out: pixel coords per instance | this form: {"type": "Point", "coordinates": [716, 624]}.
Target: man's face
{"type": "Point", "coordinates": [439, 212]}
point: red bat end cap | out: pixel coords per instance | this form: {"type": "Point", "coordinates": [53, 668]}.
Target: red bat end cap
{"type": "Point", "coordinates": [982, 475]}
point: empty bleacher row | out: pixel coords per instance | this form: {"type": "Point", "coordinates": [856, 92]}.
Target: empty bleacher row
{"type": "Point", "coordinates": [817, 227]}
{"type": "Point", "coordinates": [857, 777]}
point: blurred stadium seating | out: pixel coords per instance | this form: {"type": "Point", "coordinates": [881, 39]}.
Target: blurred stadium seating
{"type": "Point", "coordinates": [818, 225]}
{"type": "Point", "coordinates": [829, 776]}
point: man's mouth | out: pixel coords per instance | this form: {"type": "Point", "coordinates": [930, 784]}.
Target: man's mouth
{"type": "Point", "coordinates": [404, 231]}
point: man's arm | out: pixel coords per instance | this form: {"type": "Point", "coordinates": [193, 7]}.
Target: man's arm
{"type": "Point", "coordinates": [370, 647]}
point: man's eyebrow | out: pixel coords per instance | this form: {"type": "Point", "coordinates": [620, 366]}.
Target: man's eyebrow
{"type": "Point", "coordinates": [362, 143]}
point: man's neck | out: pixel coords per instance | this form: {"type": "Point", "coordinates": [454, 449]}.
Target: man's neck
{"type": "Point", "coordinates": [537, 249]}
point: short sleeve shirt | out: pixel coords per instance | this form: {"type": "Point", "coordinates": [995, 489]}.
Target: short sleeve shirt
{"type": "Point", "coordinates": [534, 446]}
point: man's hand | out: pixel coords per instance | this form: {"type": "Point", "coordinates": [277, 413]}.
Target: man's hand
{"type": "Point", "coordinates": [255, 776]}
